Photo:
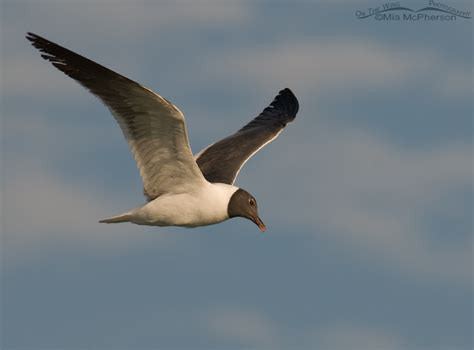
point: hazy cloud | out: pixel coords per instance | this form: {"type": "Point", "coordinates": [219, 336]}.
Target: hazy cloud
{"type": "Point", "coordinates": [456, 83]}
{"type": "Point", "coordinates": [43, 210]}
{"type": "Point", "coordinates": [336, 64]}
{"type": "Point", "coordinates": [78, 26]}
{"type": "Point", "coordinates": [126, 20]}
{"type": "Point", "coordinates": [358, 189]}
{"type": "Point", "coordinates": [389, 211]}
{"type": "Point", "coordinates": [250, 328]}
{"type": "Point", "coordinates": [355, 337]}
{"type": "Point", "coordinates": [376, 196]}
{"type": "Point", "coordinates": [245, 327]}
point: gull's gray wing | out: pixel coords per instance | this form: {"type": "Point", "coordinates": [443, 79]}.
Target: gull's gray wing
{"type": "Point", "coordinates": [154, 128]}
{"type": "Point", "coordinates": [222, 161]}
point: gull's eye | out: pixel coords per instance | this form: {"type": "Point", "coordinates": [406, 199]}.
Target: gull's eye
{"type": "Point", "coordinates": [252, 202]}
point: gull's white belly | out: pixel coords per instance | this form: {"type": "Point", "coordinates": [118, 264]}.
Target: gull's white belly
{"type": "Point", "coordinates": [206, 206]}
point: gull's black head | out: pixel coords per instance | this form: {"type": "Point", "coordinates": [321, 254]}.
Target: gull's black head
{"type": "Point", "coordinates": [243, 204]}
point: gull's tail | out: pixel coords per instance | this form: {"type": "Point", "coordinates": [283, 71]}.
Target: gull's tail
{"type": "Point", "coordinates": [116, 219]}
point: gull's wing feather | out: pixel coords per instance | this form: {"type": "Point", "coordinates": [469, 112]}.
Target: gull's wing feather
{"type": "Point", "coordinates": [222, 161]}
{"type": "Point", "coordinates": [154, 128]}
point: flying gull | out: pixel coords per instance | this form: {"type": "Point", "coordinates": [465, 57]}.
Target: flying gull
{"type": "Point", "coordinates": [182, 189]}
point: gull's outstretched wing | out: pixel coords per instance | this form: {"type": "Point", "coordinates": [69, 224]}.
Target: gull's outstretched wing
{"type": "Point", "coordinates": [222, 161]}
{"type": "Point", "coordinates": [154, 128]}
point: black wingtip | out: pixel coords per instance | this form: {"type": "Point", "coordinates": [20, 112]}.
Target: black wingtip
{"type": "Point", "coordinates": [37, 41]}
{"type": "Point", "coordinates": [286, 101]}
{"type": "Point", "coordinates": [32, 37]}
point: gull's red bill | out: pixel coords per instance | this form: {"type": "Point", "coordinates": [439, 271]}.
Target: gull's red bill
{"type": "Point", "coordinates": [260, 224]}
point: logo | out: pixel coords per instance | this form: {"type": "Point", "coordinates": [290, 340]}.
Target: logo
{"type": "Point", "coordinates": [394, 11]}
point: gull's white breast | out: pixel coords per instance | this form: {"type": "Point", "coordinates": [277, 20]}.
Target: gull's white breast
{"type": "Point", "coordinates": [206, 205]}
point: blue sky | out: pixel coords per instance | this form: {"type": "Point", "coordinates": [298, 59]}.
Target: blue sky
{"type": "Point", "coordinates": [367, 196]}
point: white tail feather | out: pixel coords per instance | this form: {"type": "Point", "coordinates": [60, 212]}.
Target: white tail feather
{"type": "Point", "coordinates": [116, 219]}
